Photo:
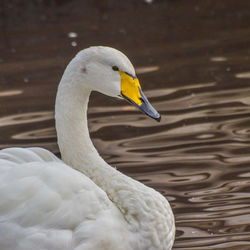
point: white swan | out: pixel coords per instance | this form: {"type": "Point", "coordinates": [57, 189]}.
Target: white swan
{"type": "Point", "coordinates": [81, 202]}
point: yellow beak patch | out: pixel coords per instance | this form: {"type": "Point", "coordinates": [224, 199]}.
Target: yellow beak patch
{"type": "Point", "coordinates": [130, 87]}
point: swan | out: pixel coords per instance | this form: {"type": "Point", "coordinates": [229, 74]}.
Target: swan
{"type": "Point", "coordinates": [80, 202]}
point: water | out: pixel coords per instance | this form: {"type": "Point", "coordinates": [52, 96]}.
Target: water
{"type": "Point", "coordinates": [192, 58]}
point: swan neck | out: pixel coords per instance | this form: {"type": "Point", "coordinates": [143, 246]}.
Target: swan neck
{"type": "Point", "coordinates": [76, 147]}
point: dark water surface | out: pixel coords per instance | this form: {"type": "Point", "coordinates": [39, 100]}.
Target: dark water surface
{"type": "Point", "coordinates": [193, 61]}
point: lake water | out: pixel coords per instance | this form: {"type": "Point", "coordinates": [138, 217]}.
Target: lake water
{"type": "Point", "coordinates": [193, 62]}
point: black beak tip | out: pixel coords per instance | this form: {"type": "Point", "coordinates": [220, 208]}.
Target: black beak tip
{"type": "Point", "coordinates": [158, 119]}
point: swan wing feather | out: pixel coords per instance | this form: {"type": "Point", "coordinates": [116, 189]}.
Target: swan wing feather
{"type": "Point", "coordinates": [46, 204]}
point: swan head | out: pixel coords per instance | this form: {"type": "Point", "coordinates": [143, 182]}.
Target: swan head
{"type": "Point", "coordinates": [110, 72]}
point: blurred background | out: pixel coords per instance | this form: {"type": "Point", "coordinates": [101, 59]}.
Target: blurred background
{"type": "Point", "coordinates": [193, 61]}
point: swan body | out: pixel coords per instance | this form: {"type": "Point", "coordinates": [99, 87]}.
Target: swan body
{"type": "Point", "coordinates": [80, 202]}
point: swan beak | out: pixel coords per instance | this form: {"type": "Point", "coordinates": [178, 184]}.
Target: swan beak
{"type": "Point", "coordinates": [131, 91]}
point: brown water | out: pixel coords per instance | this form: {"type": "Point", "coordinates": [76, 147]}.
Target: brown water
{"type": "Point", "coordinates": [192, 58]}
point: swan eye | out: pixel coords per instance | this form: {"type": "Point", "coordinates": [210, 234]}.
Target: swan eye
{"type": "Point", "coordinates": [115, 68]}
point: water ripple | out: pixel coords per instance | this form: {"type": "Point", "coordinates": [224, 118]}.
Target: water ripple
{"type": "Point", "coordinates": [198, 155]}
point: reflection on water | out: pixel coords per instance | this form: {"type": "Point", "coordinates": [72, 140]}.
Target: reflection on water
{"type": "Point", "coordinates": [218, 59]}
{"type": "Point", "coordinates": [198, 155]}
{"type": "Point", "coordinates": [147, 69]}
{"type": "Point", "coordinates": [10, 93]}
{"type": "Point", "coordinates": [25, 118]}
{"type": "Point", "coordinates": [243, 75]}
